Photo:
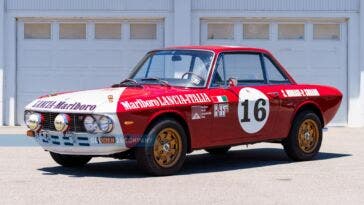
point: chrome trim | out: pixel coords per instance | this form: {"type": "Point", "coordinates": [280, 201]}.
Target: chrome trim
{"type": "Point", "coordinates": [79, 143]}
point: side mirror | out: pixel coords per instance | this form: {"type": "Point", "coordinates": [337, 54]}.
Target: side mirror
{"type": "Point", "coordinates": [232, 82]}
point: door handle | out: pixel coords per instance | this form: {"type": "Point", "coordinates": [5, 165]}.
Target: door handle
{"type": "Point", "coordinates": [273, 94]}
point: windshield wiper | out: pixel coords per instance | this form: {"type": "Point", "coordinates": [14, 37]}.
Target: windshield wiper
{"type": "Point", "coordinates": [162, 82]}
{"type": "Point", "coordinates": [127, 83]}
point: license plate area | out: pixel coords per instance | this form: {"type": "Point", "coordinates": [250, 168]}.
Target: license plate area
{"type": "Point", "coordinates": [107, 140]}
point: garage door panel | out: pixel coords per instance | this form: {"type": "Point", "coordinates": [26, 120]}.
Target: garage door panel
{"type": "Point", "coordinates": [134, 56]}
{"type": "Point", "coordinates": [291, 57]}
{"type": "Point", "coordinates": [105, 58]}
{"type": "Point", "coordinates": [35, 58]}
{"type": "Point", "coordinates": [325, 57]}
{"type": "Point", "coordinates": [55, 65]}
{"type": "Point", "coordinates": [71, 58]}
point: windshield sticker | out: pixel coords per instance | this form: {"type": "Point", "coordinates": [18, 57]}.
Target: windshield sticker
{"type": "Point", "coordinates": [300, 92]}
{"type": "Point", "coordinates": [163, 101]}
{"type": "Point", "coordinates": [62, 105]}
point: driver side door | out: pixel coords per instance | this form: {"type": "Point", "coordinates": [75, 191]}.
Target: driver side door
{"type": "Point", "coordinates": [249, 109]}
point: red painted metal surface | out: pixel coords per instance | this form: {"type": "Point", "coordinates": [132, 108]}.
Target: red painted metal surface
{"type": "Point", "coordinates": [146, 104]}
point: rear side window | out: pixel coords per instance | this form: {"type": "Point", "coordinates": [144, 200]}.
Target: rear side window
{"type": "Point", "coordinates": [273, 72]}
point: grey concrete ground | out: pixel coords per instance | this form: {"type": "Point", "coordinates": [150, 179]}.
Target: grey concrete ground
{"type": "Point", "coordinates": [259, 174]}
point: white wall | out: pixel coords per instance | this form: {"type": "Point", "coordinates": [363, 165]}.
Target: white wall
{"type": "Point", "coordinates": [1, 61]}
{"type": "Point", "coordinates": [360, 120]}
{"type": "Point", "coordinates": [182, 26]}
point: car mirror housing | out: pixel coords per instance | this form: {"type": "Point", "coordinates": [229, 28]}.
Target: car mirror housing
{"type": "Point", "coordinates": [232, 82]}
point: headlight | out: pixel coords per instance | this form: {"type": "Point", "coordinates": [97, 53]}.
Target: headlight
{"type": "Point", "coordinates": [27, 115]}
{"type": "Point", "coordinates": [33, 120]}
{"type": "Point", "coordinates": [62, 122]}
{"type": "Point", "coordinates": [90, 124]}
{"type": "Point", "coordinates": [105, 124]}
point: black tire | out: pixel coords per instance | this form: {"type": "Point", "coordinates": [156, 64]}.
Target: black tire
{"type": "Point", "coordinates": [70, 160]}
{"type": "Point", "coordinates": [292, 145]}
{"type": "Point", "coordinates": [218, 150]}
{"type": "Point", "coordinates": [145, 151]}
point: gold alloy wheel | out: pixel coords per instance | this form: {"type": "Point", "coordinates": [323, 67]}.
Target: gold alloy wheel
{"type": "Point", "coordinates": [308, 136]}
{"type": "Point", "coordinates": [167, 147]}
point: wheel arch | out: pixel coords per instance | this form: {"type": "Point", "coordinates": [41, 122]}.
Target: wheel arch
{"type": "Point", "coordinates": [309, 106]}
{"type": "Point", "coordinates": [171, 115]}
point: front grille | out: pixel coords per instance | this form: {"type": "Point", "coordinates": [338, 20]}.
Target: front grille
{"type": "Point", "coordinates": [75, 126]}
{"type": "Point", "coordinates": [67, 141]}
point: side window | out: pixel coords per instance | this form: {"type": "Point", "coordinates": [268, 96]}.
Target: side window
{"type": "Point", "coordinates": [273, 73]}
{"type": "Point", "coordinates": [245, 67]}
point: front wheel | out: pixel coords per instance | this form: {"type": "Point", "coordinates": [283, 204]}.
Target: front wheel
{"type": "Point", "coordinates": [163, 150]}
{"type": "Point", "coordinates": [70, 160]}
{"type": "Point", "coordinates": [304, 140]}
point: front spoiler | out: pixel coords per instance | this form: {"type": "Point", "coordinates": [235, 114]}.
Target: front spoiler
{"type": "Point", "coordinates": [79, 143]}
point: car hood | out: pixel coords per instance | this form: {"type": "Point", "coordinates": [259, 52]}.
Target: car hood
{"type": "Point", "coordinates": [89, 101]}
{"type": "Point", "coordinates": [111, 100]}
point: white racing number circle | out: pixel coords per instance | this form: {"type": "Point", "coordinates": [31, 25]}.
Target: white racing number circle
{"type": "Point", "coordinates": [253, 109]}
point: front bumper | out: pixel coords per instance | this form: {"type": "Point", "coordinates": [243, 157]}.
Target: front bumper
{"type": "Point", "coordinates": [79, 143]}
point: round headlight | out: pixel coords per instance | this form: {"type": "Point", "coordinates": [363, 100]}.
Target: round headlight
{"type": "Point", "coordinates": [34, 121]}
{"type": "Point", "coordinates": [90, 124]}
{"type": "Point", "coordinates": [62, 122]}
{"type": "Point", "coordinates": [27, 114]}
{"type": "Point", "coordinates": [105, 124]}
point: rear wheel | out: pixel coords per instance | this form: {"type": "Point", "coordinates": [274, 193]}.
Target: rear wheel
{"type": "Point", "coordinates": [218, 151]}
{"type": "Point", "coordinates": [305, 138]}
{"type": "Point", "coordinates": [70, 160]}
{"type": "Point", "coordinates": [163, 150]}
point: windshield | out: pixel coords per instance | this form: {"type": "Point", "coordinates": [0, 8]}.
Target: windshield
{"type": "Point", "coordinates": [188, 68]}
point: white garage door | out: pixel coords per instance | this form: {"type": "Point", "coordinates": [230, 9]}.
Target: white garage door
{"type": "Point", "coordinates": [61, 55]}
{"type": "Point", "coordinates": [312, 51]}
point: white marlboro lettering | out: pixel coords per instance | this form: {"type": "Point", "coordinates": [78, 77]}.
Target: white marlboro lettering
{"type": "Point", "coordinates": [184, 99]}
{"type": "Point", "coordinates": [62, 105]}
{"type": "Point", "coordinates": [300, 92]}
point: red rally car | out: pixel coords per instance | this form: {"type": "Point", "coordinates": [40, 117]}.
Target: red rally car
{"type": "Point", "coordinates": [177, 100]}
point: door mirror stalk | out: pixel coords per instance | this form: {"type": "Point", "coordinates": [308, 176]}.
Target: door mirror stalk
{"type": "Point", "coordinates": [232, 82]}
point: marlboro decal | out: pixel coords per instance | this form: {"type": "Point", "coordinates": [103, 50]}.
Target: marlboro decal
{"type": "Point", "coordinates": [62, 105]}
{"type": "Point", "coordinates": [185, 99]}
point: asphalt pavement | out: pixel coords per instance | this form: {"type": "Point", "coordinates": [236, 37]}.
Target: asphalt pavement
{"type": "Point", "coordinates": [258, 174]}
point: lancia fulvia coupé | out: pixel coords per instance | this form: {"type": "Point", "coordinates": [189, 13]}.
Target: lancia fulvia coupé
{"type": "Point", "coordinates": [181, 99]}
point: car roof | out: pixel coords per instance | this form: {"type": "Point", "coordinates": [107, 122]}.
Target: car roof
{"type": "Point", "coordinates": [219, 48]}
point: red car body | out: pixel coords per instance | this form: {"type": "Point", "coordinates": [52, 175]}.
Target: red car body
{"type": "Point", "coordinates": [216, 132]}
{"type": "Point", "coordinates": [158, 123]}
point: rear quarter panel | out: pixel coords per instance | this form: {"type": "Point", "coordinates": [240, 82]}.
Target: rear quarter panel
{"type": "Point", "coordinates": [327, 99]}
